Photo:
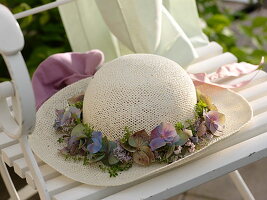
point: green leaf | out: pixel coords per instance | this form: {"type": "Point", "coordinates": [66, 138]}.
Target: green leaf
{"type": "Point", "coordinates": [259, 21]}
{"type": "Point", "coordinates": [138, 139]}
{"type": "Point", "coordinates": [78, 131]}
{"type": "Point", "coordinates": [92, 158]}
{"type": "Point", "coordinates": [246, 30]}
{"type": "Point", "coordinates": [112, 160]}
{"type": "Point", "coordinates": [127, 147]}
{"type": "Point", "coordinates": [24, 22]}
{"type": "Point", "coordinates": [183, 138]}
{"type": "Point", "coordinates": [170, 151]}
{"type": "Point", "coordinates": [218, 20]}
{"type": "Point", "coordinates": [111, 145]}
{"type": "Point", "coordinates": [44, 18]}
{"type": "Point", "coordinates": [127, 134]}
{"type": "Point", "coordinates": [141, 158]}
{"type": "Point", "coordinates": [148, 152]}
{"type": "Point", "coordinates": [179, 126]}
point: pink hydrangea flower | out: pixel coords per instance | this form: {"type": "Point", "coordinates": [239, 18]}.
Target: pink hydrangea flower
{"type": "Point", "coordinates": [214, 122]}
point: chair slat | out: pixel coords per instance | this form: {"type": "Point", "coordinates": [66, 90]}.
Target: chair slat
{"type": "Point", "coordinates": [47, 172]}
{"type": "Point", "coordinates": [6, 141]}
{"type": "Point", "coordinates": [60, 184]}
{"type": "Point", "coordinates": [256, 77]}
{"type": "Point", "coordinates": [211, 64]}
{"type": "Point", "coordinates": [208, 51]}
{"type": "Point", "coordinates": [255, 92]}
{"type": "Point", "coordinates": [81, 192]}
{"type": "Point", "coordinates": [259, 105]}
{"type": "Point", "coordinates": [11, 153]}
{"type": "Point", "coordinates": [20, 166]}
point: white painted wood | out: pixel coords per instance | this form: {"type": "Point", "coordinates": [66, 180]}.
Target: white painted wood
{"type": "Point", "coordinates": [60, 184]}
{"type": "Point", "coordinates": [20, 166]}
{"type": "Point", "coordinates": [11, 39]}
{"type": "Point", "coordinates": [6, 89]}
{"type": "Point", "coordinates": [259, 105]}
{"type": "Point", "coordinates": [256, 77]}
{"type": "Point", "coordinates": [47, 173]}
{"type": "Point", "coordinates": [25, 193]}
{"type": "Point", "coordinates": [241, 185]}
{"type": "Point", "coordinates": [18, 127]}
{"type": "Point", "coordinates": [243, 1]}
{"type": "Point", "coordinates": [81, 192]}
{"type": "Point", "coordinates": [8, 181]}
{"type": "Point", "coordinates": [39, 9]}
{"type": "Point", "coordinates": [187, 176]}
{"type": "Point", "coordinates": [211, 64]}
{"type": "Point", "coordinates": [208, 51]}
{"type": "Point", "coordinates": [11, 153]}
{"type": "Point", "coordinates": [255, 92]}
{"type": "Point", "coordinates": [6, 141]}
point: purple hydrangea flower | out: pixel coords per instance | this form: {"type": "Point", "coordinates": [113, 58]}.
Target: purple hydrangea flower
{"type": "Point", "coordinates": [163, 134]}
{"type": "Point", "coordinates": [97, 142]}
{"type": "Point", "coordinates": [214, 122]}
{"type": "Point", "coordinates": [73, 145]}
{"type": "Point", "coordinates": [66, 117]}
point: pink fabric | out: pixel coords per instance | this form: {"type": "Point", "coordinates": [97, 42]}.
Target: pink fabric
{"type": "Point", "coordinates": [225, 71]}
{"type": "Point", "coordinates": [62, 69]}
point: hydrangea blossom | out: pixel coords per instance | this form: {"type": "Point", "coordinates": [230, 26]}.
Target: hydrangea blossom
{"type": "Point", "coordinates": [66, 117]}
{"type": "Point", "coordinates": [163, 134]}
{"type": "Point", "coordinates": [214, 122]}
{"type": "Point", "coordinates": [97, 142]}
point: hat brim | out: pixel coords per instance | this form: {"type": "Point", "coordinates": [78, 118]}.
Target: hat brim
{"type": "Point", "coordinates": [44, 139]}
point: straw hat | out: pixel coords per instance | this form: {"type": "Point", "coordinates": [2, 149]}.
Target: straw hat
{"type": "Point", "coordinates": [138, 91]}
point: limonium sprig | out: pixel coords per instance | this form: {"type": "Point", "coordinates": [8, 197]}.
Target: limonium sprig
{"type": "Point", "coordinates": [166, 143]}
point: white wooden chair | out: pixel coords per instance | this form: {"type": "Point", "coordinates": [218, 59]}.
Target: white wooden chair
{"type": "Point", "coordinates": [17, 117]}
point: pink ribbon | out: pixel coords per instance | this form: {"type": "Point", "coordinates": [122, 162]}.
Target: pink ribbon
{"type": "Point", "coordinates": [226, 71]}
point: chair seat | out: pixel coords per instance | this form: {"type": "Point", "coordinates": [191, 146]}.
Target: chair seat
{"type": "Point", "coordinates": [174, 181]}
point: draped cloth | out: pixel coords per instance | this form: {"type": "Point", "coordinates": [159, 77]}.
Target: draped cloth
{"type": "Point", "coordinates": [170, 28]}
{"type": "Point", "coordinates": [62, 69]}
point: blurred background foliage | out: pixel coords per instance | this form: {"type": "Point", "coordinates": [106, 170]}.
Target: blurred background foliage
{"type": "Point", "coordinates": [44, 33]}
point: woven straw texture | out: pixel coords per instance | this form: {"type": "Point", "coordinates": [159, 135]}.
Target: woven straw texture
{"type": "Point", "coordinates": [44, 139]}
{"type": "Point", "coordinates": [138, 91]}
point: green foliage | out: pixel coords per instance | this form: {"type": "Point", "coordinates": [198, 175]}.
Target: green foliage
{"type": "Point", "coordinates": [179, 126]}
{"type": "Point", "coordinates": [44, 34]}
{"type": "Point", "coordinates": [219, 28]}
{"type": "Point", "coordinates": [200, 107]}
{"type": "Point", "coordinates": [127, 134]}
{"type": "Point", "coordinates": [114, 170]}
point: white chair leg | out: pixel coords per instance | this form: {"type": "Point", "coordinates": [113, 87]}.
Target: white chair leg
{"type": "Point", "coordinates": [8, 181]}
{"type": "Point", "coordinates": [241, 185]}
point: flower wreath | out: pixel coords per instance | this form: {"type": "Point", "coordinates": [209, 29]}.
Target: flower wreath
{"type": "Point", "coordinates": [167, 143]}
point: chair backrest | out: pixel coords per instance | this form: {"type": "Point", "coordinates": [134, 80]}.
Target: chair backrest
{"type": "Point", "coordinates": [119, 27]}
{"type": "Point", "coordinates": [19, 124]}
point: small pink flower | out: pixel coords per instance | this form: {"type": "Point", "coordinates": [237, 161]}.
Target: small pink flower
{"type": "Point", "coordinates": [191, 146]}
{"type": "Point", "coordinates": [178, 150]}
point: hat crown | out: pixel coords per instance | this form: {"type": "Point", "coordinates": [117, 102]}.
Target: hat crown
{"type": "Point", "coordinates": [138, 91]}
